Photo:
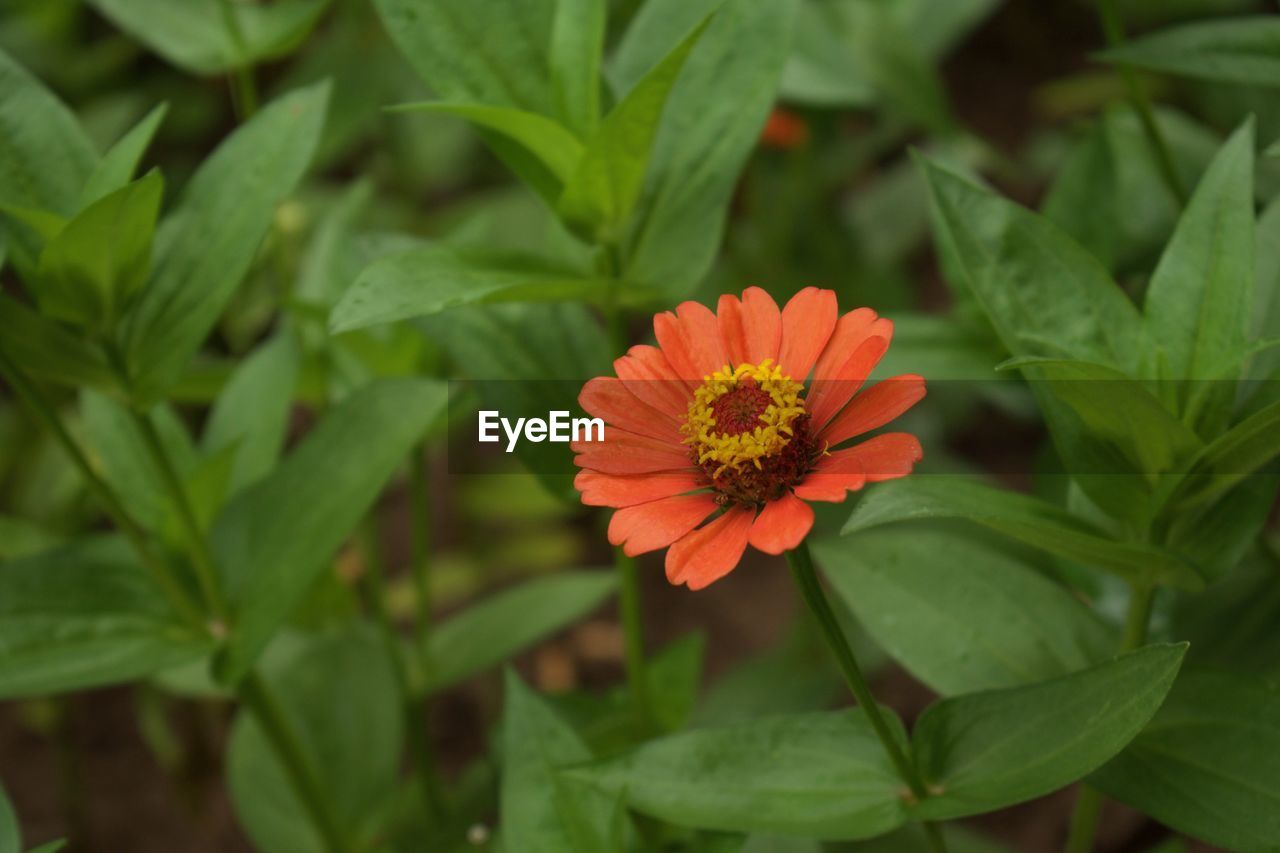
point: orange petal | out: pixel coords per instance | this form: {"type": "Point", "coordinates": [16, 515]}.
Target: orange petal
{"type": "Point", "coordinates": [624, 452]}
{"type": "Point", "coordinates": [618, 491]}
{"type": "Point", "coordinates": [807, 324]}
{"type": "Point", "coordinates": [884, 457]}
{"type": "Point", "coordinates": [650, 526]}
{"type": "Point", "coordinates": [609, 399]}
{"type": "Point", "coordinates": [781, 525]}
{"type": "Point", "coordinates": [851, 330]}
{"type": "Point", "coordinates": [828, 396]}
{"type": "Point", "coordinates": [750, 329]}
{"type": "Point", "coordinates": [874, 408]}
{"type": "Point", "coordinates": [710, 552]}
{"type": "Point", "coordinates": [690, 339]}
{"type": "Point", "coordinates": [650, 377]}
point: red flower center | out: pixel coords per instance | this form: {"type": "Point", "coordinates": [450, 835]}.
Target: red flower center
{"type": "Point", "coordinates": [739, 410]}
{"type": "Point", "coordinates": [752, 485]}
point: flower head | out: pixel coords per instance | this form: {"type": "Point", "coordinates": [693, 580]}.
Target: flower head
{"type": "Point", "coordinates": [716, 438]}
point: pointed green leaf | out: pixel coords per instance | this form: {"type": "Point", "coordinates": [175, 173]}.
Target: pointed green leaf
{"type": "Point", "coordinates": [206, 245]}
{"type": "Point", "coordinates": [823, 775]}
{"type": "Point", "coordinates": [487, 633]}
{"type": "Point", "coordinates": [1266, 310]}
{"type": "Point", "coordinates": [92, 269]}
{"type": "Point", "coordinates": [275, 538]}
{"type": "Point", "coordinates": [1045, 295]}
{"type": "Point", "coordinates": [547, 812]}
{"type": "Point", "coordinates": [340, 695]}
{"type": "Point", "coordinates": [210, 37]}
{"type": "Point", "coordinates": [1235, 455]}
{"type": "Point", "coordinates": [605, 186]}
{"type": "Point", "coordinates": [546, 139]}
{"type": "Point", "coordinates": [1199, 299]}
{"type": "Point", "coordinates": [1026, 519]}
{"type": "Point", "coordinates": [119, 164]}
{"type": "Point", "coordinates": [45, 156]}
{"type": "Point", "coordinates": [46, 348]}
{"type": "Point", "coordinates": [10, 838]}
{"type": "Point", "coordinates": [960, 614]}
{"type": "Point", "coordinates": [1208, 765]}
{"type": "Point", "coordinates": [435, 278]}
{"type": "Point", "coordinates": [577, 41]}
{"type": "Point", "coordinates": [1226, 50]}
{"type": "Point", "coordinates": [251, 415]}
{"type": "Point", "coordinates": [710, 125]}
{"type": "Point", "coordinates": [986, 751]}
{"type": "Point", "coordinates": [85, 615]}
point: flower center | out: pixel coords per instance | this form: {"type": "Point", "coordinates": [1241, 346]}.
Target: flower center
{"type": "Point", "coordinates": [748, 430]}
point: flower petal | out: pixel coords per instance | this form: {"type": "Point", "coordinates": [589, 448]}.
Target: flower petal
{"type": "Point", "coordinates": [650, 377]}
{"type": "Point", "coordinates": [807, 323]}
{"type": "Point", "coordinates": [828, 396]}
{"type": "Point", "coordinates": [710, 552]}
{"type": "Point", "coordinates": [874, 408]}
{"type": "Point", "coordinates": [781, 525]}
{"type": "Point", "coordinates": [600, 489]}
{"type": "Point", "coordinates": [624, 452]}
{"type": "Point", "coordinates": [608, 398]}
{"type": "Point", "coordinates": [750, 329]}
{"type": "Point", "coordinates": [654, 525]}
{"type": "Point", "coordinates": [850, 332]}
{"type": "Point", "coordinates": [884, 457]}
{"type": "Point", "coordinates": [690, 339]}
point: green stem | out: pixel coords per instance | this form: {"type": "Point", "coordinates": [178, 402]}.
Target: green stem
{"type": "Point", "coordinates": [811, 589]}
{"type": "Point", "coordinates": [420, 550]}
{"type": "Point", "coordinates": [633, 632]}
{"type": "Point", "coordinates": [160, 571]}
{"type": "Point", "coordinates": [1113, 29]}
{"type": "Point", "coordinates": [615, 322]}
{"type": "Point", "coordinates": [245, 94]}
{"type": "Point", "coordinates": [197, 545]}
{"type": "Point", "coordinates": [1084, 820]}
{"type": "Point", "coordinates": [257, 695]}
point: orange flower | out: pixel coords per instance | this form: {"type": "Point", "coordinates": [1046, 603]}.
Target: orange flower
{"type": "Point", "coordinates": [716, 423]}
{"type": "Point", "coordinates": [784, 129]}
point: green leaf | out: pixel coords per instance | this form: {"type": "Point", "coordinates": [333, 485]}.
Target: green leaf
{"type": "Point", "coordinates": [986, 751]}
{"type": "Point", "coordinates": [1232, 457]}
{"type": "Point", "coordinates": [117, 167]}
{"type": "Point", "coordinates": [46, 348]}
{"type": "Point", "coordinates": [675, 674]}
{"type": "Point", "coordinates": [823, 775]}
{"type": "Point", "coordinates": [1198, 303]}
{"type": "Point", "coordinates": [1266, 310]}
{"type": "Point", "coordinates": [1126, 428]}
{"type": "Point", "coordinates": [960, 614]}
{"type": "Point", "coordinates": [207, 243]}
{"type": "Point", "coordinates": [546, 139]}
{"type": "Point", "coordinates": [1026, 519]}
{"type": "Point", "coordinates": [710, 125]}
{"type": "Point", "coordinates": [577, 41]}
{"type": "Point", "coordinates": [540, 807]}
{"type": "Point", "coordinates": [486, 53]}
{"type": "Point", "coordinates": [10, 837]}
{"type": "Point", "coordinates": [82, 616]}
{"type": "Point", "coordinates": [274, 539]}
{"type": "Point", "coordinates": [487, 633]}
{"type": "Point", "coordinates": [209, 37]}
{"type": "Point", "coordinates": [600, 197]}
{"type": "Point", "coordinates": [45, 156]}
{"type": "Point", "coordinates": [92, 269]}
{"type": "Point", "coordinates": [251, 415]}
{"type": "Point", "coordinates": [340, 695]}
{"type": "Point", "coordinates": [435, 278]}
{"type": "Point", "coordinates": [1046, 296]}
{"type": "Point", "coordinates": [1228, 50]}
{"type": "Point", "coordinates": [1208, 765]}
{"type": "Point", "coordinates": [1231, 625]}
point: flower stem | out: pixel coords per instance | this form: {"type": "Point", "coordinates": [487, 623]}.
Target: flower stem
{"type": "Point", "coordinates": [161, 573]}
{"type": "Point", "coordinates": [811, 589]}
{"type": "Point", "coordinates": [265, 707]}
{"type": "Point", "coordinates": [1084, 820]}
{"type": "Point", "coordinates": [633, 633]}
{"type": "Point", "coordinates": [1113, 29]}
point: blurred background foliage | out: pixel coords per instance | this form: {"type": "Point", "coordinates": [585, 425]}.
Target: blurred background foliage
{"type": "Point", "coordinates": [827, 194]}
